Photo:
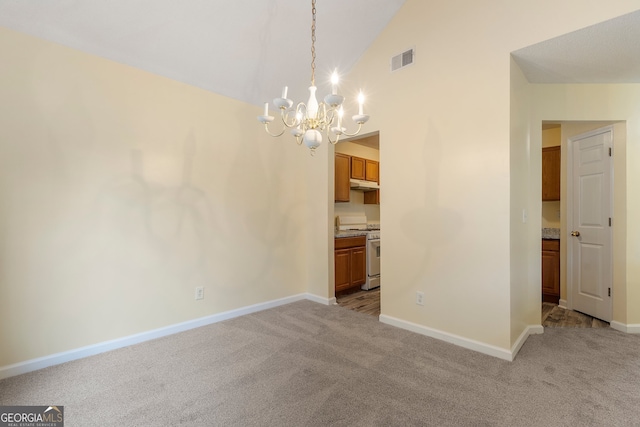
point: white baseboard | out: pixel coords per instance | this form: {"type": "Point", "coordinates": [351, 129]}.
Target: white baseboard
{"type": "Point", "coordinates": [79, 353]}
{"type": "Point", "coordinates": [562, 303]}
{"type": "Point", "coordinates": [320, 300]}
{"type": "Point", "coordinates": [629, 329]}
{"type": "Point", "coordinates": [467, 343]}
{"type": "Point", "coordinates": [529, 330]}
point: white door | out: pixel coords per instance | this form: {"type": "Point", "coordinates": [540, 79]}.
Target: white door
{"type": "Point", "coordinates": [589, 258]}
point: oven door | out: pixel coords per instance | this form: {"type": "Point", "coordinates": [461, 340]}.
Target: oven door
{"type": "Point", "coordinates": [373, 257]}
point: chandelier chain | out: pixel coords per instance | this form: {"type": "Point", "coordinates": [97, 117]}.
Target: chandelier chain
{"type": "Point", "coordinates": [313, 43]}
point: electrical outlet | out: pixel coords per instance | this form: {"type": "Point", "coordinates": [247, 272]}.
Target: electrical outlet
{"type": "Point", "coordinates": [420, 298]}
{"type": "Point", "coordinates": [200, 292]}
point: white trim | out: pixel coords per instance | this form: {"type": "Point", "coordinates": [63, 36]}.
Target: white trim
{"type": "Point", "coordinates": [529, 330]}
{"type": "Point", "coordinates": [562, 303]}
{"type": "Point", "coordinates": [90, 350]}
{"type": "Point", "coordinates": [629, 329]}
{"type": "Point", "coordinates": [467, 343]}
{"type": "Point", "coordinates": [320, 300]}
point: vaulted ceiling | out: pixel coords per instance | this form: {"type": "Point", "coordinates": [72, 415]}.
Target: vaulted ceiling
{"type": "Point", "coordinates": [244, 49]}
{"type": "Point", "coordinates": [250, 49]}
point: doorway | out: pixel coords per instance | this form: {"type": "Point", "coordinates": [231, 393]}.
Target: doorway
{"type": "Point", "coordinates": [356, 213]}
{"type": "Point", "coordinates": [584, 267]}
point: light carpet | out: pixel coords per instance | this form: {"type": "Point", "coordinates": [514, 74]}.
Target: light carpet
{"type": "Point", "coordinates": [305, 364]}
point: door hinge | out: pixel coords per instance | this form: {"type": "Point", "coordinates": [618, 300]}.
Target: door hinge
{"type": "Point", "coordinates": [609, 291]}
{"type": "Point", "coordinates": [609, 151]}
{"type": "Point", "coordinates": [609, 221]}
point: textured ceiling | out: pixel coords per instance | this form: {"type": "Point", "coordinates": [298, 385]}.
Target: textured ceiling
{"type": "Point", "coordinates": [244, 49]}
{"type": "Point", "coordinates": [250, 49]}
{"type": "Point", "coordinates": [608, 52]}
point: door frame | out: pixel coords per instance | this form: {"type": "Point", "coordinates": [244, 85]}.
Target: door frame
{"type": "Point", "coordinates": [569, 212]}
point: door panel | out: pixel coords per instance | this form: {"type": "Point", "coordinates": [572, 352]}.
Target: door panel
{"type": "Point", "coordinates": [590, 249]}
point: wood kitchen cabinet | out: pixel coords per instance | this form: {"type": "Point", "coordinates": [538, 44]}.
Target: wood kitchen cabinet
{"type": "Point", "coordinates": [350, 262]}
{"type": "Point", "coordinates": [551, 271]}
{"type": "Point", "coordinates": [347, 167]}
{"type": "Point", "coordinates": [365, 169]}
{"type": "Point", "coordinates": [372, 170]}
{"type": "Point", "coordinates": [342, 173]}
{"type": "Point", "coordinates": [550, 173]}
{"type": "Point", "coordinates": [358, 168]}
{"type": "Point", "coordinates": [372, 197]}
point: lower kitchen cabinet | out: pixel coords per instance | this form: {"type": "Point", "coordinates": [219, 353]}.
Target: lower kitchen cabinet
{"type": "Point", "coordinates": [350, 262]}
{"type": "Point", "coordinates": [551, 271]}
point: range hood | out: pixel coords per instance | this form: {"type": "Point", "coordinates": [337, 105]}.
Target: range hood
{"type": "Point", "coordinates": [359, 184]}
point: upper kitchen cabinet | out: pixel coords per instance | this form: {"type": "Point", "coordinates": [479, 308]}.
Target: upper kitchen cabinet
{"type": "Point", "coordinates": [365, 169]}
{"type": "Point", "coordinates": [358, 168]}
{"type": "Point", "coordinates": [342, 187]}
{"type": "Point", "coordinates": [372, 171]}
{"type": "Point", "coordinates": [550, 174]}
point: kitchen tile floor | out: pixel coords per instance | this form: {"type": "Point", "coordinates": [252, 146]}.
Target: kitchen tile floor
{"type": "Point", "coordinates": [367, 302]}
{"type": "Point", "coordinates": [554, 316]}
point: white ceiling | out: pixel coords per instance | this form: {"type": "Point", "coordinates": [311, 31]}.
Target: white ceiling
{"type": "Point", "coordinates": [250, 49]}
{"type": "Point", "coordinates": [608, 52]}
{"type": "Point", "coordinates": [244, 49]}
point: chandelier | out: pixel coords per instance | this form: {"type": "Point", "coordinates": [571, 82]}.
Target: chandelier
{"type": "Point", "coordinates": [307, 122]}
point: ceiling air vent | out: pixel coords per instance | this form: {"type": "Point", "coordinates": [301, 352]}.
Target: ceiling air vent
{"type": "Point", "coordinates": [402, 60]}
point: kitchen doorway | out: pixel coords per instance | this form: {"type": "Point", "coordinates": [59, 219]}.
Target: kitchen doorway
{"type": "Point", "coordinates": [356, 212]}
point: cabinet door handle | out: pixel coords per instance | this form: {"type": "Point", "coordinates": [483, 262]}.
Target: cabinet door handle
{"type": "Point", "coordinates": [575, 233]}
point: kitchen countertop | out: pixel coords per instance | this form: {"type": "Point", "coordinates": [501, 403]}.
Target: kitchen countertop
{"type": "Point", "coordinates": [551, 233]}
{"type": "Point", "coordinates": [350, 233]}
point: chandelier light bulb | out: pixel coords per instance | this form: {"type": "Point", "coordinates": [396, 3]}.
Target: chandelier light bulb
{"type": "Point", "coordinates": [360, 103]}
{"type": "Point", "coordinates": [334, 82]}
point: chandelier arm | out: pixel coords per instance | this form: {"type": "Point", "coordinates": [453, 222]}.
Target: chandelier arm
{"type": "Point", "coordinates": [293, 124]}
{"type": "Point", "coordinates": [266, 128]}
{"type": "Point", "coordinates": [354, 133]}
{"type": "Point", "coordinates": [329, 138]}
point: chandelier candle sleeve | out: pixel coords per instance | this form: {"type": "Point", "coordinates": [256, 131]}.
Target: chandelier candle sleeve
{"type": "Point", "coordinates": [266, 108]}
{"type": "Point", "coordinates": [284, 92]}
{"type": "Point", "coordinates": [360, 103]}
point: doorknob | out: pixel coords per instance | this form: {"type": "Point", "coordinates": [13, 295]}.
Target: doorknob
{"type": "Point", "coordinates": [575, 233]}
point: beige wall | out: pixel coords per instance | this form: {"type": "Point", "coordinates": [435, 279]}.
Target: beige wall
{"type": "Point", "coordinates": [551, 137]}
{"type": "Point", "coordinates": [121, 191]}
{"type": "Point", "coordinates": [597, 106]}
{"type": "Point", "coordinates": [449, 234]}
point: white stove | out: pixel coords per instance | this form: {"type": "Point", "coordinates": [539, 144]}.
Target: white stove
{"type": "Point", "coordinates": [372, 230]}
